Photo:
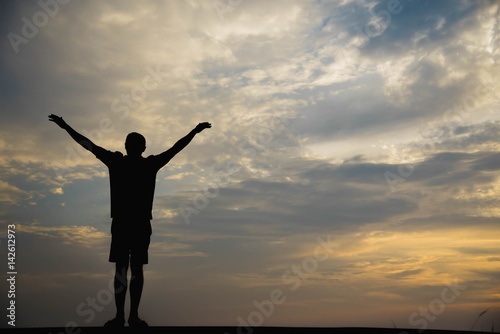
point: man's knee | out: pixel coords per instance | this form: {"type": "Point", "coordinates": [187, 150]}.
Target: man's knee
{"type": "Point", "coordinates": [121, 272]}
{"type": "Point", "coordinates": [136, 269]}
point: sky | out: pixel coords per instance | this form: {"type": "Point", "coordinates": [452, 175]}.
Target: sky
{"type": "Point", "coordinates": [350, 177]}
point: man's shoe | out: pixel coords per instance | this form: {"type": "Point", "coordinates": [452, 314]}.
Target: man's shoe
{"type": "Point", "coordinates": [137, 323]}
{"type": "Point", "coordinates": [115, 323]}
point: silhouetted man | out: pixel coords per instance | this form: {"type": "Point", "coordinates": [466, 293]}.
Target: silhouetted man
{"type": "Point", "coordinates": [132, 179]}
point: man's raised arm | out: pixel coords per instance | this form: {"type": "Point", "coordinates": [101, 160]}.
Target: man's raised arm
{"type": "Point", "coordinates": [80, 139]}
{"type": "Point", "coordinates": [181, 143]}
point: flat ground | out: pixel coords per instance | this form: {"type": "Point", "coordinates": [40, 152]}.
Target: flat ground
{"type": "Point", "coordinates": [232, 330]}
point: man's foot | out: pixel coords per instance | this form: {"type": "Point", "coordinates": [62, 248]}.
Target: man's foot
{"type": "Point", "coordinates": [137, 323]}
{"type": "Point", "coordinates": [116, 322]}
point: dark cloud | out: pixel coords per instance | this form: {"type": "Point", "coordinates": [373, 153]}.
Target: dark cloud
{"type": "Point", "coordinates": [490, 162]}
{"type": "Point", "coordinates": [477, 251]}
{"type": "Point", "coordinates": [452, 168]}
{"type": "Point", "coordinates": [322, 197]}
{"type": "Point", "coordinates": [405, 273]}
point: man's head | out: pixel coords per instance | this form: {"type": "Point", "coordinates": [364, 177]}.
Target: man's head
{"type": "Point", "coordinates": [135, 144]}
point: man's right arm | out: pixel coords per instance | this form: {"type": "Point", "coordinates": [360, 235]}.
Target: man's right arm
{"type": "Point", "coordinates": [79, 138]}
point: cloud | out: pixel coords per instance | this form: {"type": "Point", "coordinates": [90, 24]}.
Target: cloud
{"type": "Point", "coordinates": [10, 194]}
{"type": "Point", "coordinates": [404, 273]}
{"type": "Point", "coordinates": [384, 295]}
{"type": "Point", "coordinates": [456, 138]}
{"type": "Point", "coordinates": [58, 191]}
{"type": "Point", "coordinates": [413, 83]}
{"type": "Point", "coordinates": [160, 249]}
{"type": "Point", "coordinates": [83, 235]}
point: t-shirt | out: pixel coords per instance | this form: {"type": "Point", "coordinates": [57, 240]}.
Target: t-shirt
{"type": "Point", "coordinates": [132, 182]}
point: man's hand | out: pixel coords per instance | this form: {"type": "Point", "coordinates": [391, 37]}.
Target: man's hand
{"type": "Point", "coordinates": [58, 120]}
{"type": "Point", "coordinates": [202, 126]}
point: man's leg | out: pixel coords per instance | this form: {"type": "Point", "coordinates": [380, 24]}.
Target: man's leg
{"type": "Point", "coordinates": [120, 288]}
{"type": "Point", "coordinates": [120, 285]}
{"type": "Point", "coordinates": [138, 257]}
{"type": "Point", "coordinates": [136, 284]}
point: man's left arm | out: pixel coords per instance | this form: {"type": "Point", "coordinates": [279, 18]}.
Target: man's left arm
{"type": "Point", "coordinates": [165, 157]}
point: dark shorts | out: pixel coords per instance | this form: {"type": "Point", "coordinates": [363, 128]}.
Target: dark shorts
{"type": "Point", "coordinates": [130, 241]}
